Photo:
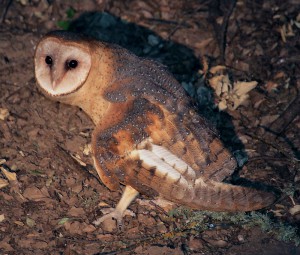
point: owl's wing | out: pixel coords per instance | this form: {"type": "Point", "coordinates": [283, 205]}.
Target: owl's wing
{"type": "Point", "coordinates": [156, 153]}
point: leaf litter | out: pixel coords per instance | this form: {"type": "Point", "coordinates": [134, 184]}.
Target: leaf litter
{"type": "Point", "coordinates": [34, 130]}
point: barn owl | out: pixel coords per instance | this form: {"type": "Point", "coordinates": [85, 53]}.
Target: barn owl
{"type": "Point", "coordinates": [147, 136]}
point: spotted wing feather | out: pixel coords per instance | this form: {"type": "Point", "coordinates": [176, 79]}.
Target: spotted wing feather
{"type": "Point", "coordinates": [148, 151]}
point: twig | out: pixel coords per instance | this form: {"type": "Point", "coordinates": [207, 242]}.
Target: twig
{"type": "Point", "coordinates": [275, 145]}
{"type": "Point", "coordinates": [283, 121]}
{"type": "Point", "coordinates": [6, 5]}
{"type": "Point", "coordinates": [221, 31]}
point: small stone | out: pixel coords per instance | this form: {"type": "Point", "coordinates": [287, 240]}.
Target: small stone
{"type": "Point", "coordinates": [89, 228]}
{"type": "Point", "coordinates": [217, 243]}
{"type": "Point", "coordinates": [241, 238]}
{"type": "Point", "coordinates": [195, 244]}
{"type": "Point", "coordinates": [162, 228]}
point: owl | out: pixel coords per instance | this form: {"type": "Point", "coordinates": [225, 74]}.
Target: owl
{"type": "Point", "coordinates": [148, 137]}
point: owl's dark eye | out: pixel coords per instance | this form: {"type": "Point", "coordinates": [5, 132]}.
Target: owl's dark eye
{"type": "Point", "coordinates": [49, 61]}
{"type": "Point", "coordinates": [72, 64]}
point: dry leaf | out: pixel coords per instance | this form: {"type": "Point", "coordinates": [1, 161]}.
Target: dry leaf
{"type": "Point", "coordinates": [34, 193]}
{"type": "Point", "coordinates": [4, 113]}
{"type": "Point", "coordinates": [216, 69]}
{"type": "Point", "coordinates": [295, 210]}
{"type": "Point", "coordinates": [221, 85]}
{"type": "Point", "coordinates": [23, 2]}
{"type": "Point", "coordinates": [89, 229]}
{"type": "Point", "coordinates": [297, 23]}
{"type": "Point", "coordinates": [76, 212]}
{"type": "Point", "coordinates": [286, 31]}
{"type": "Point", "coordinates": [84, 134]}
{"type": "Point", "coordinates": [78, 159]}
{"type": "Point", "coordinates": [203, 44]}
{"type": "Point", "coordinates": [277, 213]}
{"type": "Point", "coordinates": [5, 246]}
{"type": "Point", "coordinates": [229, 95]}
{"type": "Point", "coordinates": [205, 66]}
{"type": "Point", "coordinates": [3, 183]}
{"type": "Point", "coordinates": [63, 221]}
{"type": "Point", "coordinates": [103, 204]}
{"type": "Point", "coordinates": [87, 149]}
{"type": "Point", "coordinates": [30, 222]}
{"type": "Point", "coordinates": [222, 105]}
{"type": "Point", "coordinates": [2, 217]}
{"type": "Point", "coordinates": [271, 86]}
{"type": "Point", "coordinates": [241, 88]}
{"type": "Point", "coordinates": [19, 223]}
{"type": "Point", "coordinates": [9, 175]}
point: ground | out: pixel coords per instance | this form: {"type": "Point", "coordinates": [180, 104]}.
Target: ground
{"type": "Point", "coordinates": [49, 205]}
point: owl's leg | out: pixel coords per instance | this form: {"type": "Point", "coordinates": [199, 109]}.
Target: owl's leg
{"type": "Point", "coordinates": [128, 196]}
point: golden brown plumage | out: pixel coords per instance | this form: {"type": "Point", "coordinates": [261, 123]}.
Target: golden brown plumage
{"type": "Point", "coordinates": [148, 137]}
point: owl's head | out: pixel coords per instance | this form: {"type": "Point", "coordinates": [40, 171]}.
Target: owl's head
{"type": "Point", "coordinates": [62, 63]}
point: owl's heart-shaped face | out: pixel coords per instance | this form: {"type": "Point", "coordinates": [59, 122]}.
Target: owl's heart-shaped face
{"type": "Point", "coordinates": [61, 68]}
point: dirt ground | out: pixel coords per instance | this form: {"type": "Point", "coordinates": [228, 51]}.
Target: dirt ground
{"type": "Point", "coordinates": [49, 205]}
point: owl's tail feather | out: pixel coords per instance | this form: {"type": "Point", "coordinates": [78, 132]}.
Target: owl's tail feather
{"type": "Point", "coordinates": [175, 181]}
{"type": "Point", "coordinates": [218, 196]}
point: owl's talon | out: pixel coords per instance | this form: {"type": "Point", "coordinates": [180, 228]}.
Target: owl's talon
{"type": "Point", "coordinates": [113, 215]}
{"type": "Point", "coordinates": [111, 221]}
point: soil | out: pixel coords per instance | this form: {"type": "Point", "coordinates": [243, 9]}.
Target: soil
{"type": "Point", "coordinates": [50, 206]}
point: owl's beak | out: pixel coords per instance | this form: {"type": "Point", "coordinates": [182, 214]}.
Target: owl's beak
{"type": "Point", "coordinates": [55, 82]}
{"type": "Point", "coordinates": [57, 76]}
{"type": "Point", "coordinates": [54, 85]}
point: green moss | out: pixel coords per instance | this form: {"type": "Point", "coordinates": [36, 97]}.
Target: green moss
{"type": "Point", "coordinates": [65, 24]}
{"type": "Point", "coordinates": [202, 220]}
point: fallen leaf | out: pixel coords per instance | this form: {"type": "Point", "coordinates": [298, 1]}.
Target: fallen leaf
{"type": "Point", "coordinates": [229, 95]}
{"type": "Point", "coordinates": [5, 246]}
{"type": "Point", "coordinates": [76, 212]}
{"type": "Point", "coordinates": [222, 105]}
{"type": "Point", "coordinates": [78, 159]}
{"type": "Point", "coordinates": [241, 88]}
{"type": "Point", "coordinates": [9, 175]}
{"type": "Point", "coordinates": [33, 193]}
{"type": "Point", "coordinates": [279, 75]}
{"type": "Point", "coordinates": [77, 188]}
{"type": "Point", "coordinates": [203, 44]}
{"type": "Point", "coordinates": [19, 223]}
{"type": "Point", "coordinates": [105, 237]}
{"type": "Point", "coordinates": [89, 228]}
{"type": "Point", "coordinates": [30, 222]}
{"type": "Point", "coordinates": [84, 134]}
{"type": "Point", "coordinates": [74, 227]}
{"type": "Point", "coordinates": [23, 2]}
{"type": "Point", "coordinates": [4, 113]}
{"type": "Point", "coordinates": [103, 204]}
{"type": "Point", "coordinates": [277, 213]}
{"type": "Point", "coordinates": [63, 221]}
{"type": "Point", "coordinates": [217, 243]}
{"type": "Point", "coordinates": [2, 217]}
{"type": "Point", "coordinates": [295, 209]}
{"type": "Point", "coordinates": [271, 86]}
{"type": "Point", "coordinates": [216, 69]}
{"type": "Point", "coordinates": [87, 149]}
{"type": "Point", "coordinates": [3, 183]}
